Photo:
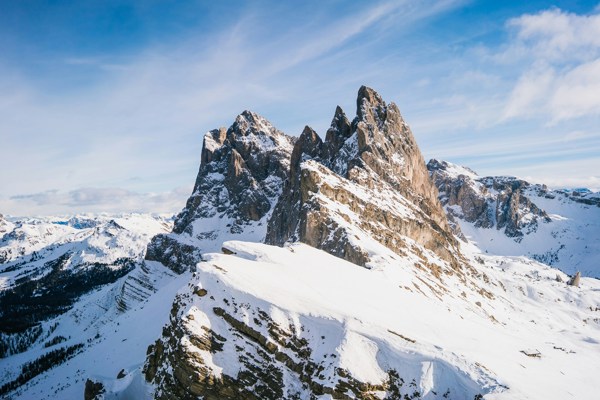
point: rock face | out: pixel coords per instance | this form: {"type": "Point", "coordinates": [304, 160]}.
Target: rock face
{"type": "Point", "coordinates": [241, 177]}
{"type": "Point", "coordinates": [367, 179]}
{"type": "Point", "coordinates": [509, 216]}
{"type": "Point", "coordinates": [487, 202]}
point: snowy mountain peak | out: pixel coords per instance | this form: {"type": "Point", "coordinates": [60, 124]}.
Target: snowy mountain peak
{"type": "Point", "coordinates": [450, 169]}
{"type": "Point", "coordinates": [240, 179]}
{"type": "Point", "coordinates": [370, 165]}
{"type": "Point", "coordinates": [367, 295]}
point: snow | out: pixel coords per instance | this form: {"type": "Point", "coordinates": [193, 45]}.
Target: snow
{"type": "Point", "coordinates": [476, 331]}
{"type": "Point", "coordinates": [34, 241]}
{"type": "Point", "coordinates": [570, 241]}
{"type": "Point", "coordinates": [113, 341]}
{"type": "Point", "coordinates": [457, 344]}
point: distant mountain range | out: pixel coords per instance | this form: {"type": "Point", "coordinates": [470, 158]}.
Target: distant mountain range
{"type": "Point", "coordinates": [341, 267]}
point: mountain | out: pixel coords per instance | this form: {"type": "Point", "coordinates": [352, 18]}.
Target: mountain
{"type": "Point", "coordinates": [363, 195]}
{"type": "Point", "coordinates": [509, 216]}
{"type": "Point", "coordinates": [310, 268]}
{"type": "Point", "coordinates": [241, 177]}
{"type": "Point", "coordinates": [427, 318]}
{"type": "Point", "coordinates": [48, 264]}
{"type": "Point", "coordinates": [364, 190]}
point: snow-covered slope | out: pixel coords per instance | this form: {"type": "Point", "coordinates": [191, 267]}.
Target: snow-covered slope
{"type": "Point", "coordinates": [50, 263]}
{"type": "Point", "coordinates": [509, 216]}
{"type": "Point", "coordinates": [297, 322]}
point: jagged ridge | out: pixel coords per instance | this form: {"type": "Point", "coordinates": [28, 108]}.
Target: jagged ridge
{"type": "Point", "coordinates": [373, 167]}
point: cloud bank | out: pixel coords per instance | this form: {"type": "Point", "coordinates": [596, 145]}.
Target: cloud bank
{"type": "Point", "coordinates": [109, 200]}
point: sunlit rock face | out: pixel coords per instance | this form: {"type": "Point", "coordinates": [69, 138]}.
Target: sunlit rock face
{"type": "Point", "coordinates": [367, 178]}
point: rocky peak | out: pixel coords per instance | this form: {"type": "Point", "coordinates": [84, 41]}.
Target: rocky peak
{"type": "Point", "coordinates": [213, 140]}
{"type": "Point", "coordinates": [337, 134]}
{"type": "Point", "coordinates": [309, 145]}
{"type": "Point", "coordinates": [370, 107]}
{"type": "Point", "coordinates": [241, 176]}
{"type": "Point", "coordinates": [376, 156]}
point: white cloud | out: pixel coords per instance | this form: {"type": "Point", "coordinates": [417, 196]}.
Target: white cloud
{"type": "Point", "coordinates": [560, 55]}
{"type": "Point", "coordinates": [577, 92]}
{"type": "Point", "coordinates": [557, 36]}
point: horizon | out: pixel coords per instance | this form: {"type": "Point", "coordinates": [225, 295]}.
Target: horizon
{"type": "Point", "coordinates": [104, 106]}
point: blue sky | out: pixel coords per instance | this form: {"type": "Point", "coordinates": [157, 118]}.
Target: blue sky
{"type": "Point", "coordinates": [103, 105]}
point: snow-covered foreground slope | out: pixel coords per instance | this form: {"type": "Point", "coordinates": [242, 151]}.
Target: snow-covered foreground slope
{"type": "Point", "coordinates": [319, 323]}
{"type": "Point", "coordinates": [509, 216]}
{"type": "Point", "coordinates": [385, 332]}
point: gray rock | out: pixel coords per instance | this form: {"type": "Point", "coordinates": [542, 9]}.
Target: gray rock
{"type": "Point", "coordinates": [574, 281]}
{"type": "Point", "coordinates": [377, 153]}
{"type": "Point", "coordinates": [173, 254]}
{"type": "Point", "coordinates": [241, 177]}
{"type": "Point", "coordinates": [242, 170]}
{"type": "Point", "coordinates": [93, 390]}
{"type": "Point", "coordinates": [487, 202]}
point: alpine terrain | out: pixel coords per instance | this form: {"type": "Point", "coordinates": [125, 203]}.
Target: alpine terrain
{"type": "Point", "coordinates": [309, 267]}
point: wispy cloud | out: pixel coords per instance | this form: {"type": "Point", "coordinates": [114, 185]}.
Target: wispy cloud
{"type": "Point", "coordinates": [101, 120]}
{"type": "Point", "coordinates": [146, 118]}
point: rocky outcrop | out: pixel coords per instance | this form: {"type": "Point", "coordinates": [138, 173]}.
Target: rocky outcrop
{"type": "Point", "coordinates": [574, 281]}
{"type": "Point", "coordinates": [178, 257]}
{"type": "Point", "coordinates": [242, 170]}
{"type": "Point", "coordinates": [241, 176]}
{"type": "Point", "coordinates": [366, 180]}
{"type": "Point", "coordinates": [487, 202]}
{"type": "Point", "coordinates": [93, 390]}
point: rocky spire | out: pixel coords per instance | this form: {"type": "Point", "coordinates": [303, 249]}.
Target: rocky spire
{"type": "Point", "coordinates": [375, 155]}
{"type": "Point", "coordinates": [337, 134]}
{"type": "Point", "coordinates": [308, 146]}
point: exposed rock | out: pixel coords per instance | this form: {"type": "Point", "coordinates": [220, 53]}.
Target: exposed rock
{"type": "Point", "coordinates": [574, 281]}
{"type": "Point", "coordinates": [241, 177]}
{"type": "Point", "coordinates": [367, 178]}
{"type": "Point", "coordinates": [241, 173]}
{"type": "Point", "coordinates": [93, 390]}
{"type": "Point", "coordinates": [487, 202]}
{"type": "Point", "coordinates": [173, 254]}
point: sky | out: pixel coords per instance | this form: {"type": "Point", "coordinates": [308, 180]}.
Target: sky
{"type": "Point", "coordinates": [104, 104]}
